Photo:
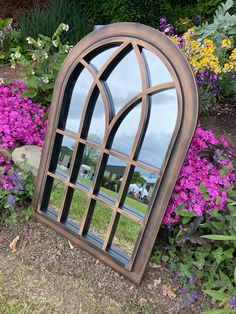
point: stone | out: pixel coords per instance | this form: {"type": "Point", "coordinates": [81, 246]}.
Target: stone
{"type": "Point", "coordinates": [27, 158]}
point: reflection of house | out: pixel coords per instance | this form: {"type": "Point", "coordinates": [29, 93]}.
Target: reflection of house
{"type": "Point", "coordinates": [114, 172]}
{"type": "Point", "coordinates": [65, 156]}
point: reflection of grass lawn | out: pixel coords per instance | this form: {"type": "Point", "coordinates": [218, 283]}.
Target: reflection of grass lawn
{"type": "Point", "coordinates": [127, 230]}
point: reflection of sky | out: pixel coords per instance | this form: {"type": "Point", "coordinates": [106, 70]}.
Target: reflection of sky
{"type": "Point", "coordinates": [125, 135]}
{"type": "Point", "coordinates": [161, 126]}
{"type": "Point", "coordinates": [102, 57]}
{"type": "Point", "coordinates": [97, 125]}
{"type": "Point", "coordinates": [125, 81]}
{"type": "Point", "coordinates": [157, 70]}
{"type": "Point", "coordinates": [78, 98]}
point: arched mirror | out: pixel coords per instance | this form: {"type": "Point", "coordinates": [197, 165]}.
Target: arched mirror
{"type": "Point", "coordinates": [124, 111]}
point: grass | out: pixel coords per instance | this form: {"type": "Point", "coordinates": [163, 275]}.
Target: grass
{"type": "Point", "coordinates": [13, 306]}
{"type": "Point", "coordinates": [45, 20]}
{"type": "Point", "coordinates": [127, 230]}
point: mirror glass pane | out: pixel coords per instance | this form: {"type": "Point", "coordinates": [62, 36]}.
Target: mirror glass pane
{"type": "Point", "coordinates": [65, 154]}
{"type": "Point", "coordinates": [125, 80]}
{"type": "Point", "coordinates": [100, 220]}
{"type": "Point", "coordinates": [164, 109]}
{"type": "Point", "coordinates": [55, 200]}
{"type": "Point", "coordinates": [157, 70]}
{"type": "Point", "coordinates": [77, 208]}
{"type": "Point", "coordinates": [78, 98]}
{"type": "Point", "coordinates": [140, 192]}
{"type": "Point", "coordinates": [88, 166]}
{"type": "Point", "coordinates": [126, 235]}
{"type": "Point", "coordinates": [112, 179]}
{"type": "Point", "coordinates": [97, 125]}
{"type": "Point", "coordinates": [126, 132]}
{"type": "Point", "coordinates": [102, 57]}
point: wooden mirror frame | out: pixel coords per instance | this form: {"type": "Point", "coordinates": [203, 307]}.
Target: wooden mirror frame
{"type": "Point", "coordinates": [128, 35]}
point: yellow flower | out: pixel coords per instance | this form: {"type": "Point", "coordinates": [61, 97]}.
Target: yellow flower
{"type": "Point", "coordinates": [194, 44]}
{"type": "Point", "coordinates": [226, 43]}
{"type": "Point", "coordinates": [233, 55]}
{"type": "Point", "coordinates": [228, 67]}
{"type": "Point", "coordinates": [208, 42]}
{"type": "Point", "coordinates": [191, 30]}
{"type": "Point", "coordinates": [186, 36]}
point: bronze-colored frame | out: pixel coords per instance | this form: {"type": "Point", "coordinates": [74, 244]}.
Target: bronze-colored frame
{"type": "Point", "coordinates": [128, 36]}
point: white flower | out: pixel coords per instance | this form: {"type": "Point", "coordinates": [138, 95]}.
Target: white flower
{"type": "Point", "coordinates": [17, 55]}
{"type": "Point", "coordinates": [40, 43]}
{"type": "Point", "coordinates": [45, 55]}
{"type": "Point", "coordinates": [65, 27]}
{"type": "Point", "coordinates": [33, 56]}
{"type": "Point", "coordinates": [54, 42]}
{"type": "Point", "coordinates": [29, 40]}
{"type": "Point", "coordinates": [13, 66]}
{"type": "Point", "coordinates": [45, 80]}
{"type": "Point", "coordinates": [32, 73]}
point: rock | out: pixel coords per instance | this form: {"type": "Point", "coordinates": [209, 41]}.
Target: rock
{"type": "Point", "coordinates": [27, 158]}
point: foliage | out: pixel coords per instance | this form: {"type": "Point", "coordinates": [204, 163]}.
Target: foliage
{"type": "Point", "coordinates": [201, 250]}
{"type": "Point", "coordinates": [205, 176]}
{"type": "Point", "coordinates": [41, 63]}
{"type": "Point", "coordinates": [213, 64]}
{"type": "Point", "coordinates": [21, 120]}
{"type": "Point", "coordinates": [9, 37]}
{"type": "Point", "coordinates": [44, 20]}
{"type": "Point", "coordinates": [223, 26]}
{"type": "Point", "coordinates": [16, 190]}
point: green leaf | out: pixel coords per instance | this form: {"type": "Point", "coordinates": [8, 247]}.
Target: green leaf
{"type": "Point", "coordinates": [204, 192]}
{"type": "Point", "coordinates": [217, 225]}
{"type": "Point", "coordinates": [217, 295]}
{"type": "Point", "coordinates": [224, 170]}
{"type": "Point", "coordinates": [220, 237]}
{"type": "Point", "coordinates": [29, 93]}
{"type": "Point", "coordinates": [235, 275]}
{"type": "Point", "coordinates": [219, 311]}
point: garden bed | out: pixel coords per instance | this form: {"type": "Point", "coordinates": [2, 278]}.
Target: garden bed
{"type": "Point", "coordinates": [50, 277]}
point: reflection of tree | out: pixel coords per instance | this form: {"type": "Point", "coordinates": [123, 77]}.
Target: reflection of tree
{"type": "Point", "coordinates": [90, 155]}
{"type": "Point", "coordinates": [137, 178]}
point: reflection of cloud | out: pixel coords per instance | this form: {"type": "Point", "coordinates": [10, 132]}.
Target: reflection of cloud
{"type": "Point", "coordinates": [158, 71]}
{"type": "Point", "coordinates": [154, 148]}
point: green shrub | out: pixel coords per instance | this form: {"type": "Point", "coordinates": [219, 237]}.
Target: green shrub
{"type": "Point", "coordinates": [40, 64]}
{"type": "Point", "coordinates": [9, 38]}
{"type": "Point", "coordinates": [44, 20]}
{"type": "Point", "coordinates": [202, 252]}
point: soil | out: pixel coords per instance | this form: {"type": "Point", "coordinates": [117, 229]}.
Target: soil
{"type": "Point", "coordinates": [45, 275]}
{"type": "Point", "coordinates": [13, 8]}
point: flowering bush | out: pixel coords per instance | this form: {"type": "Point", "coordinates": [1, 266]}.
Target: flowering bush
{"type": "Point", "coordinates": [211, 51]}
{"type": "Point", "coordinates": [16, 190]}
{"type": "Point", "coordinates": [206, 175]}
{"type": "Point", "coordinates": [41, 63]}
{"type": "Point", "coordinates": [9, 38]}
{"type": "Point", "coordinates": [21, 120]}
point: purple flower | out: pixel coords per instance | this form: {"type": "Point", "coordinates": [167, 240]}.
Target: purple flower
{"type": "Point", "coordinates": [11, 200]}
{"type": "Point", "coordinates": [232, 302]}
{"type": "Point", "coordinates": [213, 77]}
{"type": "Point", "coordinates": [162, 23]}
{"type": "Point", "coordinates": [234, 76]}
{"type": "Point", "coordinates": [181, 41]}
{"type": "Point", "coordinates": [191, 280]}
